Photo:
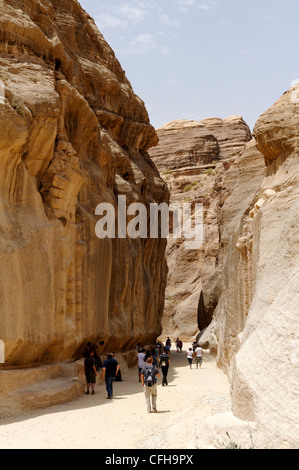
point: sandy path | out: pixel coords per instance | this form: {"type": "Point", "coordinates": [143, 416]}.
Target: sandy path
{"type": "Point", "coordinates": [123, 423]}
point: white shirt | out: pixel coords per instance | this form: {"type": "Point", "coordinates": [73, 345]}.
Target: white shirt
{"type": "Point", "coordinates": [190, 353]}
{"type": "Point", "coordinates": [141, 357]}
{"type": "Point", "coordinates": [198, 351]}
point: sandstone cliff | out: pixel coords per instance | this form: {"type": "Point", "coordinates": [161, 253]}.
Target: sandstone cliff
{"type": "Point", "coordinates": [72, 135]}
{"type": "Point", "coordinates": [193, 158]}
{"type": "Point", "coordinates": [255, 326]}
{"type": "Point", "coordinates": [241, 289]}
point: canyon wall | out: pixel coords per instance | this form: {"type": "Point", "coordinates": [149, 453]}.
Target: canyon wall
{"type": "Point", "coordinates": [194, 158]}
{"type": "Point", "coordinates": [72, 135]}
{"type": "Point", "coordinates": [255, 327]}
{"type": "Point", "coordinates": [240, 290]}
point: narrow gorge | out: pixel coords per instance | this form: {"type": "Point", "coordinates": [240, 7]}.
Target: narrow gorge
{"type": "Point", "coordinates": [238, 294]}
{"type": "Point", "coordinates": [73, 134]}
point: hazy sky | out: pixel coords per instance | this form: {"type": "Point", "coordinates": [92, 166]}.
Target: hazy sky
{"type": "Point", "coordinates": [192, 59]}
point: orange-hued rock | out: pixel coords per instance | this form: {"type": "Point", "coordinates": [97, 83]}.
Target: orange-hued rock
{"type": "Point", "coordinates": [277, 130]}
{"type": "Point", "coordinates": [72, 135]}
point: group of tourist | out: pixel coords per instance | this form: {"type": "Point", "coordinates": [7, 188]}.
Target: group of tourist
{"type": "Point", "coordinates": [93, 363]}
{"type": "Point", "coordinates": [149, 362]}
{"type": "Point", "coordinates": [194, 352]}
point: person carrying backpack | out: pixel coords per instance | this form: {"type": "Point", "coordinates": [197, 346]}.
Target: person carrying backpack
{"type": "Point", "coordinates": [149, 375]}
{"type": "Point", "coordinates": [164, 363]}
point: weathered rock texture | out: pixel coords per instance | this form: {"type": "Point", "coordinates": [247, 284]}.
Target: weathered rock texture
{"type": "Point", "coordinates": [185, 143]}
{"type": "Point", "coordinates": [194, 163]}
{"type": "Point", "coordinates": [72, 135]}
{"type": "Point", "coordinates": [255, 327]}
{"type": "Point", "coordinates": [244, 282]}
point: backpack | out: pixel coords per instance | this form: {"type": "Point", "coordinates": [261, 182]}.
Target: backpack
{"type": "Point", "coordinates": [149, 376]}
{"type": "Point", "coordinates": [164, 359]}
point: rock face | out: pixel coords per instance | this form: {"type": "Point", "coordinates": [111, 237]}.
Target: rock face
{"type": "Point", "coordinates": [231, 134]}
{"type": "Point", "coordinates": [193, 158]}
{"type": "Point", "coordinates": [241, 289]}
{"type": "Point", "coordinates": [72, 135]}
{"type": "Point", "coordinates": [185, 143]}
{"type": "Point", "coordinates": [255, 327]}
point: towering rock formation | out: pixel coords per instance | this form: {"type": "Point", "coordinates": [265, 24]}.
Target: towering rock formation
{"type": "Point", "coordinates": [72, 135]}
{"type": "Point", "coordinates": [241, 289]}
{"type": "Point", "coordinates": [255, 326]}
{"type": "Point", "coordinates": [193, 158]}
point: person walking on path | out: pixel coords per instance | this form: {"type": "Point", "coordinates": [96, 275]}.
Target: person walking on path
{"type": "Point", "coordinates": [190, 355]}
{"type": "Point", "coordinates": [198, 356]}
{"type": "Point", "coordinates": [110, 370]}
{"type": "Point", "coordinates": [90, 372]}
{"type": "Point", "coordinates": [154, 356]}
{"type": "Point", "coordinates": [180, 345]}
{"type": "Point", "coordinates": [149, 375]}
{"type": "Point", "coordinates": [87, 349]}
{"type": "Point", "coordinates": [177, 343]}
{"type": "Point", "coordinates": [141, 362]}
{"type": "Point", "coordinates": [164, 363]}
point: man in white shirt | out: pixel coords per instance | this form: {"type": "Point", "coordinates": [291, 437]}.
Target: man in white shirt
{"type": "Point", "coordinates": [198, 356]}
{"type": "Point", "coordinates": [141, 363]}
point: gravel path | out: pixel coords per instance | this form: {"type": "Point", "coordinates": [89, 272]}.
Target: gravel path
{"type": "Point", "coordinates": [123, 423]}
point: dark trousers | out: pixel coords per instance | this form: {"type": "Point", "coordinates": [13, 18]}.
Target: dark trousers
{"type": "Point", "coordinates": [109, 385]}
{"type": "Point", "coordinates": [164, 372]}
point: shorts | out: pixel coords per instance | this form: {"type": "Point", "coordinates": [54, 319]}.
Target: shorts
{"type": "Point", "coordinates": [198, 359]}
{"type": "Point", "coordinates": [189, 360]}
{"type": "Point", "coordinates": [91, 377]}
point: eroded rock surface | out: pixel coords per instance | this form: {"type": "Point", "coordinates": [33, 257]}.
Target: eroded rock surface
{"type": "Point", "coordinates": [255, 327]}
{"type": "Point", "coordinates": [193, 158]}
{"type": "Point", "coordinates": [72, 135]}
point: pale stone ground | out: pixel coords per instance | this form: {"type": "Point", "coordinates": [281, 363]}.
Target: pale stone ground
{"type": "Point", "coordinates": [123, 423]}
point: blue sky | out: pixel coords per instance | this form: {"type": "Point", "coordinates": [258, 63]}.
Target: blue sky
{"type": "Point", "coordinates": [192, 59]}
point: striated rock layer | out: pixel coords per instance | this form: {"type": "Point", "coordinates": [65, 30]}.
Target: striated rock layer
{"type": "Point", "coordinates": [255, 328]}
{"type": "Point", "coordinates": [72, 135]}
{"type": "Point", "coordinates": [185, 143]}
{"type": "Point", "coordinates": [193, 158]}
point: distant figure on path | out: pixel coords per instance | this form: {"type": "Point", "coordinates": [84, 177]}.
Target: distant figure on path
{"type": "Point", "coordinates": [90, 372]}
{"type": "Point", "coordinates": [96, 357]}
{"type": "Point", "coordinates": [141, 362]}
{"type": "Point", "coordinates": [147, 354]}
{"type": "Point", "coordinates": [149, 375]}
{"type": "Point", "coordinates": [180, 345]}
{"type": "Point", "coordinates": [164, 363]}
{"type": "Point", "coordinates": [110, 370]}
{"type": "Point", "coordinates": [87, 349]}
{"type": "Point", "coordinates": [190, 354]}
{"type": "Point", "coordinates": [154, 356]}
{"type": "Point", "coordinates": [198, 356]}
{"type": "Point", "coordinates": [177, 343]}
